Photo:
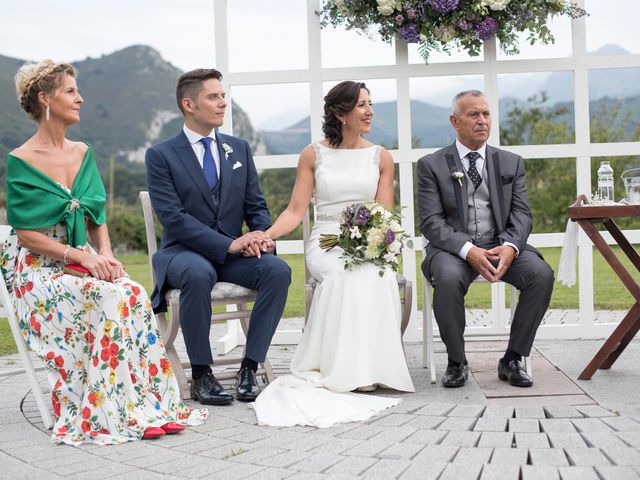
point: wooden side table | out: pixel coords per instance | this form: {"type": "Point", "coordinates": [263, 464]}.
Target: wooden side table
{"type": "Point", "coordinates": [587, 217]}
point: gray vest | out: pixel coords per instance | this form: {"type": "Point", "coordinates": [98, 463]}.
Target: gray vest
{"type": "Point", "coordinates": [480, 222]}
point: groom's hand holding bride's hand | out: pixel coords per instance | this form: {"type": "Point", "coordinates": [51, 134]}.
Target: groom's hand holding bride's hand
{"type": "Point", "coordinates": [258, 246]}
{"type": "Point", "coordinates": [251, 242]}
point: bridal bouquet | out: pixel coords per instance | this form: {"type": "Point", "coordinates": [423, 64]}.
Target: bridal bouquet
{"type": "Point", "coordinates": [368, 233]}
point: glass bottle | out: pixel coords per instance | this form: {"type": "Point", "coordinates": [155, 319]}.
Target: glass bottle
{"type": "Point", "coordinates": [605, 183]}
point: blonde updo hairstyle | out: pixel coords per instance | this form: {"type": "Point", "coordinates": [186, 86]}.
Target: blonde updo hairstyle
{"type": "Point", "coordinates": [33, 78]}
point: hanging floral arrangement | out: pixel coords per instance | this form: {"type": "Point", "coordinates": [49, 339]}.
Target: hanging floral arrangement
{"type": "Point", "coordinates": [442, 25]}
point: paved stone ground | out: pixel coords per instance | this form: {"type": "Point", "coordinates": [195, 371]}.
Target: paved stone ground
{"type": "Point", "coordinates": [434, 434]}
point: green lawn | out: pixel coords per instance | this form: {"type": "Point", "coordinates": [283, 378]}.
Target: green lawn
{"type": "Point", "coordinates": [609, 292]}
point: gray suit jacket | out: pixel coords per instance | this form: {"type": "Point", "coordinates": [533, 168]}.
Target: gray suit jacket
{"type": "Point", "coordinates": [442, 201]}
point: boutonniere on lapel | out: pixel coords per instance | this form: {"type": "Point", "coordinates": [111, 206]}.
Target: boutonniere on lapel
{"type": "Point", "coordinates": [227, 150]}
{"type": "Point", "coordinates": [457, 175]}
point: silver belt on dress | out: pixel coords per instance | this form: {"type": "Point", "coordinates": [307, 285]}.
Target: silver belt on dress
{"type": "Point", "coordinates": [328, 218]}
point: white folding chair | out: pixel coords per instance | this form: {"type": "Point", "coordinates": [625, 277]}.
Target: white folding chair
{"type": "Point", "coordinates": [223, 293]}
{"type": "Point", "coordinates": [5, 300]}
{"type": "Point", "coordinates": [405, 286]}
{"type": "Point", "coordinates": [428, 345]}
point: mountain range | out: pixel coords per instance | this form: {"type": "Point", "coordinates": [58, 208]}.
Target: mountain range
{"type": "Point", "coordinates": [130, 104]}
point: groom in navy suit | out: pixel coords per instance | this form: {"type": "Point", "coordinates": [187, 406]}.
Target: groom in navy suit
{"type": "Point", "coordinates": [203, 187]}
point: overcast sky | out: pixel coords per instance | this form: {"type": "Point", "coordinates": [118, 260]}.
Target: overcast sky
{"type": "Point", "coordinates": [263, 34]}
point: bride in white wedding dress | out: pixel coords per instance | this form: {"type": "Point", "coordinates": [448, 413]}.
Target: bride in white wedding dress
{"type": "Point", "coordinates": [352, 339]}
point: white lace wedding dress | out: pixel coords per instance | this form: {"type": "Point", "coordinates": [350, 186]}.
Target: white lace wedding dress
{"type": "Point", "coordinates": [352, 337]}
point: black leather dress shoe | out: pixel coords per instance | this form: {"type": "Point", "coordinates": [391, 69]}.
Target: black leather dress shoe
{"type": "Point", "coordinates": [455, 376]}
{"type": "Point", "coordinates": [208, 391]}
{"type": "Point", "coordinates": [515, 373]}
{"type": "Point", "coordinates": [247, 389]}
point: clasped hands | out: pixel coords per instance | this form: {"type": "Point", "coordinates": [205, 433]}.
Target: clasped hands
{"type": "Point", "coordinates": [253, 244]}
{"type": "Point", "coordinates": [103, 266]}
{"type": "Point", "coordinates": [491, 264]}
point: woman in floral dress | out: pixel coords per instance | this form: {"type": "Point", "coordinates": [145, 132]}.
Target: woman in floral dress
{"type": "Point", "coordinates": [110, 378]}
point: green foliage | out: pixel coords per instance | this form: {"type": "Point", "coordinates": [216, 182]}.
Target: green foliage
{"type": "Point", "coordinates": [128, 180]}
{"type": "Point", "coordinates": [277, 185]}
{"type": "Point", "coordinates": [551, 182]}
{"type": "Point", "coordinates": [126, 227]}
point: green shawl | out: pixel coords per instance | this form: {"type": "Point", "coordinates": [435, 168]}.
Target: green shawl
{"type": "Point", "coordinates": [35, 201]}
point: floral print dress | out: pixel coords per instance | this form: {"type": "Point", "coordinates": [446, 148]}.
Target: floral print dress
{"type": "Point", "coordinates": [108, 371]}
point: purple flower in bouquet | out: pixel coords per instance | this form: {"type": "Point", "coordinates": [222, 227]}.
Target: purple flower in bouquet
{"type": "Point", "coordinates": [409, 33]}
{"type": "Point", "coordinates": [486, 29]}
{"type": "Point", "coordinates": [348, 215]}
{"type": "Point", "coordinates": [399, 19]}
{"type": "Point", "coordinates": [389, 237]}
{"type": "Point", "coordinates": [444, 6]}
{"type": "Point", "coordinates": [362, 215]}
{"type": "Point", "coordinates": [411, 13]}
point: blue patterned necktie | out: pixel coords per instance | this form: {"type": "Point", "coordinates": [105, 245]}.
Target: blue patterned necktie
{"type": "Point", "coordinates": [475, 177]}
{"type": "Point", "coordinates": [208, 164]}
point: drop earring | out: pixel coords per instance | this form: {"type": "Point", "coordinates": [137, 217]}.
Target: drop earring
{"type": "Point", "coordinates": [47, 114]}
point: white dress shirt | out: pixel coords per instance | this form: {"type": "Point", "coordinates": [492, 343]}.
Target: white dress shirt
{"type": "Point", "coordinates": [198, 147]}
{"type": "Point", "coordinates": [463, 151]}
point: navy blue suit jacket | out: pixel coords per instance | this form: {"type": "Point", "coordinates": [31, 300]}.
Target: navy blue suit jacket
{"type": "Point", "coordinates": [182, 201]}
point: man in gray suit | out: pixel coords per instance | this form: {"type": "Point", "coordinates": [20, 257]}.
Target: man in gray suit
{"type": "Point", "coordinates": [475, 214]}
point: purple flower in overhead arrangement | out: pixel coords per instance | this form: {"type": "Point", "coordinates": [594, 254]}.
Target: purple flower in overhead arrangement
{"type": "Point", "coordinates": [439, 25]}
{"type": "Point", "coordinates": [362, 215]}
{"type": "Point", "coordinates": [389, 237]}
{"type": "Point", "coordinates": [486, 29]}
{"type": "Point", "coordinates": [444, 6]}
{"type": "Point", "coordinates": [464, 25]}
{"type": "Point", "coordinates": [409, 33]}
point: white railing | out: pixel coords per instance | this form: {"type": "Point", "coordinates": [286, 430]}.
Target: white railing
{"type": "Point", "coordinates": [405, 156]}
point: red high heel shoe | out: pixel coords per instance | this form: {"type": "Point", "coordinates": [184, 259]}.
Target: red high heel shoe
{"type": "Point", "coordinates": [172, 427]}
{"type": "Point", "coordinates": [153, 432]}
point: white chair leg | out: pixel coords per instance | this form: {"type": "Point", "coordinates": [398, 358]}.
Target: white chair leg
{"type": "Point", "coordinates": [528, 365]}
{"type": "Point", "coordinates": [512, 303]}
{"type": "Point", "coordinates": [169, 323]}
{"type": "Point", "coordinates": [425, 326]}
{"type": "Point", "coordinates": [428, 327]}
{"type": "Point", "coordinates": [43, 406]}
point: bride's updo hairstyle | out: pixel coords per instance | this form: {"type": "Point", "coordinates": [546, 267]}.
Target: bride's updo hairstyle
{"type": "Point", "coordinates": [33, 78]}
{"type": "Point", "coordinates": [340, 100]}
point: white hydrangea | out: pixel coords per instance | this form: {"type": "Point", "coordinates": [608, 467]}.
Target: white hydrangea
{"type": "Point", "coordinates": [355, 232]}
{"type": "Point", "coordinates": [371, 252]}
{"type": "Point", "coordinates": [375, 237]}
{"type": "Point", "coordinates": [495, 4]}
{"type": "Point", "coordinates": [445, 34]}
{"type": "Point", "coordinates": [386, 7]}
